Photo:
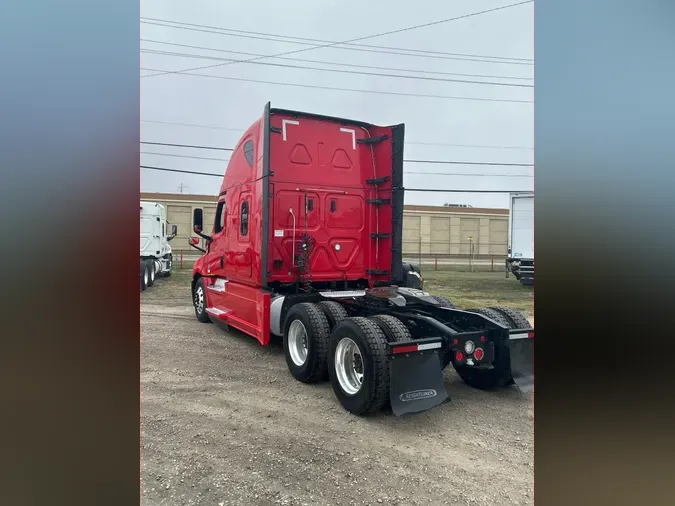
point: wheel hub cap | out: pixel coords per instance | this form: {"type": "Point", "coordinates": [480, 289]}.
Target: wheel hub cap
{"type": "Point", "coordinates": [199, 300]}
{"type": "Point", "coordinates": [349, 366]}
{"type": "Point", "coordinates": [297, 342]}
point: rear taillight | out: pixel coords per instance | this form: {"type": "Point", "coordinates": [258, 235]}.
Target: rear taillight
{"type": "Point", "coordinates": [459, 356]}
{"type": "Point", "coordinates": [455, 342]}
{"type": "Point", "coordinates": [530, 334]}
{"type": "Point", "coordinates": [478, 354]}
{"type": "Point", "coordinates": [482, 339]}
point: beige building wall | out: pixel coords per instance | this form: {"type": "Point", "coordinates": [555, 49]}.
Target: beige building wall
{"type": "Point", "coordinates": [451, 231]}
{"type": "Point", "coordinates": [427, 230]}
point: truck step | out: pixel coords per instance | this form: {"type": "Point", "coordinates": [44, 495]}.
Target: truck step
{"type": "Point", "coordinates": [218, 313]}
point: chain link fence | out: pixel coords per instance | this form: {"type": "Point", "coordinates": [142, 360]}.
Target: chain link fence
{"type": "Point", "coordinates": [436, 255]}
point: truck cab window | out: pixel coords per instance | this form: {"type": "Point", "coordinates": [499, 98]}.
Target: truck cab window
{"type": "Point", "coordinates": [220, 217]}
{"type": "Point", "coordinates": [244, 218]}
{"type": "Point", "coordinates": [248, 152]}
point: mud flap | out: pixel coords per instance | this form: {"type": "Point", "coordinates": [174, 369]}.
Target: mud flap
{"type": "Point", "coordinates": [416, 382]}
{"type": "Point", "coordinates": [521, 348]}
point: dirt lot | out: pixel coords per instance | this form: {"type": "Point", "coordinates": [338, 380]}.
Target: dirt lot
{"type": "Point", "coordinates": [223, 422]}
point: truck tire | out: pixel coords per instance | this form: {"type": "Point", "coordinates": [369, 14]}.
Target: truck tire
{"type": "Point", "coordinates": [493, 315]}
{"type": "Point", "coordinates": [199, 301]}
{"type": "Point", "coordinates": [144, 275]}
{"type": "Point", "coordinates": [334, 312]}
{"type": "Point", "coordinates": [442, 301]}
{"type": "Point", "coordinates": [515, 318]}
{"type": "Point", "coordinates": [305, 341]}
{"type": "Point", "coordinates": [151, 272]}
{"type": "Point", "coordinates": [394, 330]}
{"type": "Point", "coordinates": [500, 374]}
{"type": "Point", "coordinates": [358, 365]}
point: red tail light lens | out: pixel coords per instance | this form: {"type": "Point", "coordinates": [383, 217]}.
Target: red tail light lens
{"type": "Point", "coordinates": [478, 354]}
{"type": "Point", "coordinates": [530, 335]}
{"type": "Point", "coordinates": [482, 339]}
{"type": "Point", "coordinates": [459, 356]}
{"type": "Point", "coordinates": [455, 342]}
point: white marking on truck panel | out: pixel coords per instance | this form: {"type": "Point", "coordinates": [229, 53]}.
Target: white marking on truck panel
{"type": "Point", "coordinates": [219, 285]}
{"type": "Point", "coordinates": [285, 122]}
{"type": "Point", "coordinates": [519, 336]}
{"type": "Point", "coordinates": [428, 346]}
{"type": "Point", "coordinates": [344, 293]}
{"type": "Point", "coordinates": [278, 233]}
{"type": "Point", "coordinates": [353, 132]}
{"type": "Point", "coordinates": [214, 311]}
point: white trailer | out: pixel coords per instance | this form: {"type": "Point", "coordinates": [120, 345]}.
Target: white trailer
{"type": "Point", "coordinates": [156, 256]}
{"type": "Point", "coordinates": [520, 254]}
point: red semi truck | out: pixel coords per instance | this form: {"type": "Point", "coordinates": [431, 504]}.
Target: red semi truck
{"type": "Point", "coordinates": [307, 246]}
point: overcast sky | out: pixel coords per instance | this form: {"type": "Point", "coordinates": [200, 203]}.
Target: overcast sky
{"type": "Point", "coordinates": [230, 106]}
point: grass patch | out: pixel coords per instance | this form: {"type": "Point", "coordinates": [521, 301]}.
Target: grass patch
{"type": "Point", "coordinates": [479, 289]}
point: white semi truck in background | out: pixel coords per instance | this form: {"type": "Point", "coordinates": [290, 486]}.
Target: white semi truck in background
{"type": "Point", "coordinates": [520, 254]}
{"type": "Point", "coordinates": [156, 256]}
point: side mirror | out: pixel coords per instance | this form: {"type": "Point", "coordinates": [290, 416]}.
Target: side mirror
{"type": "Point", "coordinates": [174, 230]}
{"type": "Point", "coordinates": [198, 220]}
{"type": "Point", "coordinates": [194, 241]}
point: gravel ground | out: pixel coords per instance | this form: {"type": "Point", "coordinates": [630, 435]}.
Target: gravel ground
{"type": "Point", "coordinates": [224, 423]}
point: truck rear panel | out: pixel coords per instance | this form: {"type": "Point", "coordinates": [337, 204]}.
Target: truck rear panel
{"type": "Point", "coordinates": [338, 182]}
{"type": "Point", "coordinates": [521, 226]}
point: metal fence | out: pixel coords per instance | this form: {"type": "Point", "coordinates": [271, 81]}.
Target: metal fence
{"type": "Point", "coordinates": [435, 255]}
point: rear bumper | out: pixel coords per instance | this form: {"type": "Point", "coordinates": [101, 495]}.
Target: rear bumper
{"type": "Point", "coordinates": [416, 367]}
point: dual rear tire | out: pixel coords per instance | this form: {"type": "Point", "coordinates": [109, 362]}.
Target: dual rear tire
{"type": "Point", "coordinates": [147, 274]}
{"type": "Point", "coordinates": [500, 374]}
{"type": "Point", "coordinates": [321, 341]}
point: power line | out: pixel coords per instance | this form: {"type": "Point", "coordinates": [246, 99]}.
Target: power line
{"type": "Point", "coordinates": [184, 156]}
{"type": "Point", "coordinates": [411, 52]}
{"type": "Point", "coordinates": [472, 163]}
{"type": "Point", "coordinates": [165, 169]}
{"type": "Point", "coordinates": [241, 130]}
{"type": "Point", "coordinates": [405, 160]}
{"type": "Point", "coordinates": [322, 62]}
{"type": "Point", "coordinates": [353, 40]}
{"type": "Point", "coordinates": [468, 145]}
{"type": "Point", "coordinates": [379, 74]}
{"type": "Point", "coordinates": [406, 172]}
{"type": "Point", "coordinates": [464, 174]}
{"type": "Point", "coordinates": [193, 125]}
{"type": "Point", "coordinates": [313, 86]}
{"type": "Point", "coordinates": [186, 146]}
{"type": "Point", "coordinates": [370, 46]}
{"type": "Point", "coordinates": [436, 190]}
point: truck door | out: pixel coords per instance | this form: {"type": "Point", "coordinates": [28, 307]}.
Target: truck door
{"type": "Point", "coordinates": [215, 259]}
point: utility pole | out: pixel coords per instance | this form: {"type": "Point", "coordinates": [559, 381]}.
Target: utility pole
{"type": "Point", "coordinates": [181, 188]}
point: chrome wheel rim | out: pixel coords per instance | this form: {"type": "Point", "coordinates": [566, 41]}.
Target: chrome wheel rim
{"type": "Point", "coordinates": [349, 367]}
{"type": "Point", "coordinates": [297, 342]}
{"type": "Point", "coordinates": [199, 300]}
{"type": "Point", "coordinates": [152, 273]}
{"type": "Point", "coordinates": [145, 277]}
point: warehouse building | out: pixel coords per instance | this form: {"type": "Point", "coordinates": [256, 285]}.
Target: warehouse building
{"type": "Point", "coordinates": [428, 231]}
